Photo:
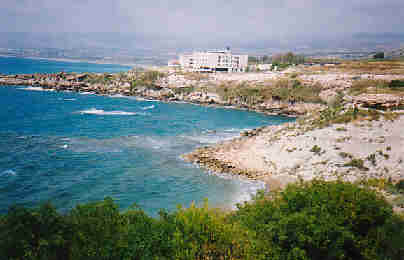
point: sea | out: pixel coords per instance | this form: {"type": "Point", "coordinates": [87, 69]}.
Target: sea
{"type": "Point", "coordinates": [70, 148]}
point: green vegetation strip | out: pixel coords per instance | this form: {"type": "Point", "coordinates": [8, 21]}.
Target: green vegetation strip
{"type": "Point", "coordinates": [314, 220]}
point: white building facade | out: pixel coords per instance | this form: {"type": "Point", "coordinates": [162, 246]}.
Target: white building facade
{"type": "Point", "coordinates": [212, 61]}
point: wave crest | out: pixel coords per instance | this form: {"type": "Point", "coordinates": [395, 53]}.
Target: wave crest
{"type": "Point", "coordinates": [8, 173]}
{"type": "Point", "coordinates": [148, 107]}
{"type": "Point", "coordinates": [94, 111]}
{"type": "Point", "coordinates": [37, 89]}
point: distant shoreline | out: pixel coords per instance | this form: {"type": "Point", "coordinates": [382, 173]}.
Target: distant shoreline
{"type": "Point", "coordinates": [69, 60]}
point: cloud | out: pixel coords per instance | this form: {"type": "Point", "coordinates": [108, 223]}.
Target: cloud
{"type": "Point", "coordinates": [207, 21]}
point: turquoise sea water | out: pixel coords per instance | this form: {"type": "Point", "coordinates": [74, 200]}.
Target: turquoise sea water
{"type": "Point", "coordinates": [71, 148]}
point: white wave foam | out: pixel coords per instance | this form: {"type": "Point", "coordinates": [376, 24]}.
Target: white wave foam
{"type": "Point", "coordinates": [117, 96]}
{"type": "Point", "coordinates": [214, 136]}
{"type": "Point", "coordinates": [36, 89]}
{"type": "Point", "coordinates": [69, 99]}
{"type": "Point", "coordinates": [148, 107]}
{"type": "Point", "coordinates": [8, 173]}
{"type": "Point", "coordinates": [147, 100]}
{"type": "Point", "coordinates": [236, 130]}
{"type": "Point", "coordinates": [94, 111]}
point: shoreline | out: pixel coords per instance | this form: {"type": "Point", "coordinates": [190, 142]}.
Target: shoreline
{"type": "Point", "coordinates": [276, 155]}
{"type": "Point", "coordinates": [68, 60]}
{"type": "Point", "coordinates": [287, 153]}
{"type": "Point", "coordinates": [98, 89]}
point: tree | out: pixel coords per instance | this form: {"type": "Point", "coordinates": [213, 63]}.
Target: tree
{"type": "Point", "coordinates": [379, 55]}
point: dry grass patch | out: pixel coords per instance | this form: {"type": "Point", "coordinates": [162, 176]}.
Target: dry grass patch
{"type": "Point", "coordinates": [372, 86]}
{"type": "Point", "coordinates": [373, 67]}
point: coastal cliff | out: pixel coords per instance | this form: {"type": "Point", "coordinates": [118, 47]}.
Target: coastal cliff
{"type": "Point", "coordinates": [175, 87]}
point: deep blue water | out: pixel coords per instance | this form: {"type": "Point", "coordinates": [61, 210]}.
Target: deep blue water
{"type": "Point", "coordinates": [71, 148]}
{"type": "Point", "coordinates": [11, 65]}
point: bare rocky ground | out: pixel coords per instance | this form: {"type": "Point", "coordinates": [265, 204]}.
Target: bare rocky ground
{"type": "Point", "coordinates": [282, 154]}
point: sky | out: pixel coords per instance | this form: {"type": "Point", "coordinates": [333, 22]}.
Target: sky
{"type": "Point", "coordinates": [208, 21]}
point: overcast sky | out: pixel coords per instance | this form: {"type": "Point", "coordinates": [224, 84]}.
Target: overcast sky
{"type": "Point", "coordinates": [206, 20]}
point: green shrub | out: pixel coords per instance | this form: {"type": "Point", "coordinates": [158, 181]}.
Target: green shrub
{"type": "Point", "coordinates": [379, 55]}
{"type": "Point", "coordinates": [316, 150]}
{"type": "Point", "coordinates": [362, 86]}
{"type": "Point", "coordinates": [313, 220]}
{"type": "Point", "coordinates": [184, 90]}
{"type": "Point", "coordinates": [356, 163]}
{"type": "Point", "coordinates": [98, 230]}
{"type": "Point", "coordinates": [35, 234]}
{"type": "Point", "coordinates": [321, 220]}
{"type": "Point", "coordinates": [203, 233]}
{"type": "Point", "coordinates": [400, 186]}
{"type": "Point", "coordinates": [294, 91]}
{"type": "Point", "coordinates": [394, 84]}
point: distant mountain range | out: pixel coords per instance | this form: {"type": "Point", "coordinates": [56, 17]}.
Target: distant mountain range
{"type": "Point", "coordinates": [396, 53]}
{"type": "Point", "coordinates": [140, 49]}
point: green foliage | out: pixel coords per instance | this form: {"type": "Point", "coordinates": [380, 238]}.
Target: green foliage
{"type": "Point", "coordinates": [203, 233]}
{"type": "Point", "coordinates": [288, 58]}
{"type": "Point", "coordinates": [340, 129]}
{"type": "Point", "coordinates": [243, 93]}
{"type": "Point", "coordinates": [314, 220]}
{"type": "Point", "coordinates": [379, 55]}
{"type": "Point", "coordinates": [400, 186]}
{"type": "Point", "coordinates": [321, 220]}
{"type": "Point", "coordinates": [361, 86]}
{"type": "Point", "coordinates": [394, 84]}
{"type": "Point", "coordinates": [356, 163]}
{"type": "Point", "coordinates": [340, 115]}
{"type": "Point", "coordinates": [376, 87]}
{"type": "Point", "coordinates": [152, 75]}
{"type": "Point", "coordinates": [316, 150]}
{"type": "Point", "coordinates": [184, 90]}
{"type": "Point", "coordinates": [294, 91]}
{"type": "Point", "coordinates": [98, 230]}
{"type": "Point", "coordinates": [252, 59]}
{"type": "Point", "coordinates": [147, 79]}
{"type": "Point", "coordinates": [285, 90]}
{"type": "Point", "coordinates": [35, 234]}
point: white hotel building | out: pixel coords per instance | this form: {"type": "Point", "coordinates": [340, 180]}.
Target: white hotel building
{"type": "Point", "coordinates": [212, 61]}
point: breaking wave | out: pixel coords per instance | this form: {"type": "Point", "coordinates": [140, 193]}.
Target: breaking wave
{"type": "Point", "coordinates": [8, 173]}
{"type": "Point", "coordinates": [148, 107]}
{"type": "Point", "coordinates": [94, 111]}
{"type": "Point", "coordinates": [36, 89]}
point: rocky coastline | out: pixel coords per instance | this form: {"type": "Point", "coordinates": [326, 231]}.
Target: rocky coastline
{"type": "Point", "coordinates": [323, 143]}
{"type": "Point", "coordinates": [159, 90]}
{"type": "Point", "coordinates": [278, 155]}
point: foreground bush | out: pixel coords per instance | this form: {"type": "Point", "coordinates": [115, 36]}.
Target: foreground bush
{"type": "Point", "coordinates": [321, 220]}
{"type": "Point", "coordinates": [316, 220]}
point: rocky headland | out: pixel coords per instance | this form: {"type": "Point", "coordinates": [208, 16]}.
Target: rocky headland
{"type": "Point", "coordinates": [293, 151]}
{"type": "Point", "coordinates": [345, 127]}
